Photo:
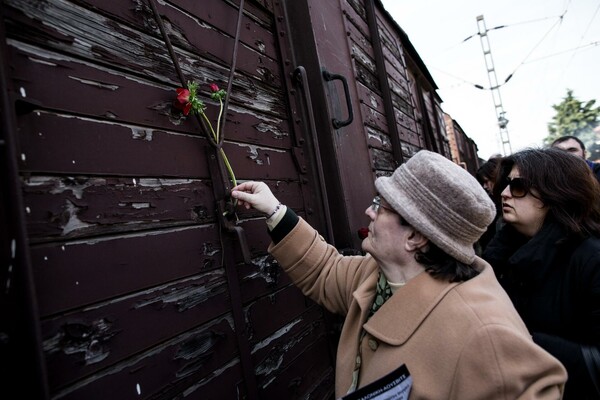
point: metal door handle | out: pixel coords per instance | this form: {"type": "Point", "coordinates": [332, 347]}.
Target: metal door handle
{"type": "Point", "coordinates": [328, 76]}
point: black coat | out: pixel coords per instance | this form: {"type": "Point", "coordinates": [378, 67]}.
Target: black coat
{"type": "Point", "coordinates": [595, 167]}
{"type": "Point", "coordinates": [555, 287]}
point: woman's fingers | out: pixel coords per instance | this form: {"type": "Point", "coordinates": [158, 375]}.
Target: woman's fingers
{"type": "Point", "coordinates": [255, 194]}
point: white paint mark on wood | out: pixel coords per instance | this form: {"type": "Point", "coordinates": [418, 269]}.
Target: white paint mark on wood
{"type": "Point", "coordinates": [74, 223]}
{"type": "Point", "coordinates": [8, 279]}
{"type": "Point", "coordinates": [139, 206]}
{"type": "Point", "coordinates": [94, 83]}
{"type": "Point", "coordinates": [279, 333]}
{"type": "Point", "coordinates": [37, 60]}
{"type": "Point", "coordinates": [142, 134]}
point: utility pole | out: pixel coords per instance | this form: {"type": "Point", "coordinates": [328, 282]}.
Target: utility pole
{"type": "Point", "coordinates": [494, 87]}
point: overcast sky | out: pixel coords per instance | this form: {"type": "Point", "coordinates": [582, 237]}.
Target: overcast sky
{"type": "Point", "coordinates": [545, 53]}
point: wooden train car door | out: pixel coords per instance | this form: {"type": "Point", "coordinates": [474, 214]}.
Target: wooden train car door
{"type": "Point", "coordinates": [128, 280]}
{"type": "Point", "coordinates": [362, 98]}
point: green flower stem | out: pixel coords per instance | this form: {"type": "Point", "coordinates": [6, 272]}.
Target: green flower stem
{"type": "Point", "coordinates": [216, 137]}
{"type": "Point", "coordinates": [228, 166]}
{"type": "Point", "coordinates": [219, 119]}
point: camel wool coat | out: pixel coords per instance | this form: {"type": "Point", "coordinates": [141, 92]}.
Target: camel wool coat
{"type": "Point", "coordinates": [459, 341]}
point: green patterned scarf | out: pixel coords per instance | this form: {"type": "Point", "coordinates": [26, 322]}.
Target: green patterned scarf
{"type": "Point", "coordinates": [384, 292]}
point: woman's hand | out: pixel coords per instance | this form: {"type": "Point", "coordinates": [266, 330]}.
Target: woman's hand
{"type": "Point", "coordinates": [256, 195]}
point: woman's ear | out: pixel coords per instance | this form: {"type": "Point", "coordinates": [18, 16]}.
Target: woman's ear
{"type": "Point", "coordinates": [415, 240]}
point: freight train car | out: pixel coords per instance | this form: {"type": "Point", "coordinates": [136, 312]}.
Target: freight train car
{"type": "Point", "coordinates": [462, 147]}
{"type": "Point", "coordinates": [127, 271]}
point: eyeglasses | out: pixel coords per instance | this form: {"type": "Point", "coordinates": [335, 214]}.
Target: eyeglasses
{"type": "Point", "coordinates": [376, 204]}
{"type": "Point", "coordinates": [518, 187]}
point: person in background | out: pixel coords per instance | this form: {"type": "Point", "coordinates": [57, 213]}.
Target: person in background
{"type": "Point", "coordinates": [574, 145]}
{"type": "Point", "coordinates": [547, 258]}
{"type": "Point", "coordinates": [486, 176]}
{"type": "Point", "coordinates": [419, 296]}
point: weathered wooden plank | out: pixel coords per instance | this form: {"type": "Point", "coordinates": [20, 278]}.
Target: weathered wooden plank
{"type": "Point", "coordinates": [199, 360]}
{"type": "Point", "coordinates": [367, 75]}
{"type": "Point", "coordinates": [71, 207]}
{"type": "Point", "coordinates": [101, 93]}
{"type": "Point", "coordinates": [365, 67]}
{"type": "Point", "coordinates": [92, 36]}
{"type": "Point", "coordinates": [402, 103]}
{"type": "Point", "coordinates": [383, 160]}
{"type": "Point", "coordinates": [370, 98]}
{"type": "Point", "coordinates": [83, 342]}
{"type": "Point", "coordinates": [389, 38]}
{"type": "Point", "coordinates": [399, 78]}
{"type": "Point", "coordinates": [210, 15]}
{"type": "Point", "coordinates": [409, 150]}
{"type": "Point", "coordinates": [70, 275]}
{"type": "Point", "coordinates": [358, 36]}
{"type": "Point", "coordinates": [268, 314]}
{"type": "Point", "coordinates": [359, 9]}
{"type": "Point", "coordinates": [404, 120]}
{"type": "Point", "coordinates": [309, 368]}
{"type": "Point", "coordinates": [269, 342]}
{"type": "Point", "coordinates": [251, 162]}
{"type": "Point", "coordinates": [378, 139]}
{"type": "Point", "coordinates": [74, 145]}
{"type": "Point", "coordinates": [68, 207]}
{"type": "Point", "coordinates": [225, 382]}
{"type": "Point", "coordinates": [373, 118]}
{"type": "Point", "coordinates": [263, 277]}
{"type": "Point", "coordinates": [273, 354]}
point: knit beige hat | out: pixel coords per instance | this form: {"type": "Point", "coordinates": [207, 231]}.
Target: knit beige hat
{"type": "Point", "coordinates": [441, 200]}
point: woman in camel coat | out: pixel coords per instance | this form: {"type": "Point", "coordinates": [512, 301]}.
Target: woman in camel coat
{"type": "Point", "coordinates": [420, 297]}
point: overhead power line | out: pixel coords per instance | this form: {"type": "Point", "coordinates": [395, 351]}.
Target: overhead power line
{"type": "Point", "coordinates": [574, 49]}
{"type": "Point", "coordinates": [515, 24]}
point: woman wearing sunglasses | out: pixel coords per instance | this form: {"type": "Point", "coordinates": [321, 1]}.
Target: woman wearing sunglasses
{"type": "Point", "coordinates": [547, 258]}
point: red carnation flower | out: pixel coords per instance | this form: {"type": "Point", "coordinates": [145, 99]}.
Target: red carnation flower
{"type": "Point", "coordinates": [214, 87]}
{"type": "Point", "coordinates": [183, 100]}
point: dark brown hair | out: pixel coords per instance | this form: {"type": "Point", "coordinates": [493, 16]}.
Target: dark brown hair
{"type": "Point", "coordinates": [565, 138]}
{"type": "Point", "coordinates": [488, 170]}
{"type": "Point", "coordinates": [563, 182]}
{"type": "Point", "coordinates": [443, 266]}
{"type": "Point", "coordinates": [440, 264]}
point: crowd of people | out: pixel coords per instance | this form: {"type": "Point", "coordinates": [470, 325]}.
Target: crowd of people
{"type": "Point", "coordinates": [481, 287]}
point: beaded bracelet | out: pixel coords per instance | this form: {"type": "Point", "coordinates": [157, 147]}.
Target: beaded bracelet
{"type": "Point", "coordinates": [275, 210]}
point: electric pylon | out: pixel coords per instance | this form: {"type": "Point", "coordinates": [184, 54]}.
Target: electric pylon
{"type": "Point", "coordinates": [494, 87]}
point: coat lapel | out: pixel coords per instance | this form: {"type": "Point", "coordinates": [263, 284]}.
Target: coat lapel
{"type": "Point", "coordinates": [412, 303]}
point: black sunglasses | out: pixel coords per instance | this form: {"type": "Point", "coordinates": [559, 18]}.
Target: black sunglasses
{"type": "Point", "coordinates": [518, 187]}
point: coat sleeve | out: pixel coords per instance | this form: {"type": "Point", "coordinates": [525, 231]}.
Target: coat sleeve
{"type": "Point", "coordinates": [318, 268]}
{"type": "Point", "coordinates": [585, 270]}
{"type": "Point", "coordinates": [498, 362]}
{"type": "Point", "coordinates": [571, 355]}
